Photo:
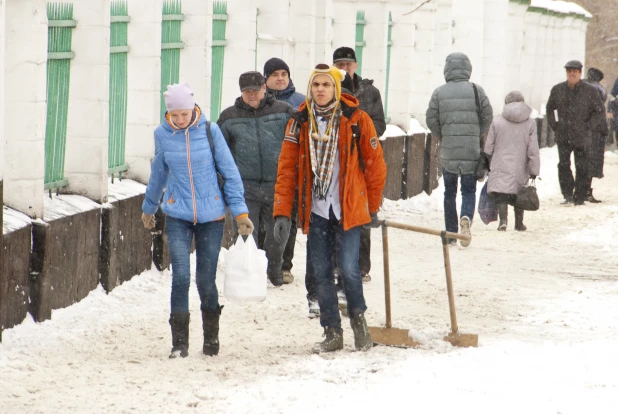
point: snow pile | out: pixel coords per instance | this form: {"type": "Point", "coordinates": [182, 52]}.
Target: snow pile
{"type": "Point", "coordinates": [415, 127]}
{"type": "Point", "coordinates": [13, 220]}
{"type": "Point", "coordinates": [122, 189]}
{"type": "Point", "coordinates": [392, 131]}
{"type": "Point", "coordinates": [59, 206]}
{"type": "Point", "coordinates": [561, 7]}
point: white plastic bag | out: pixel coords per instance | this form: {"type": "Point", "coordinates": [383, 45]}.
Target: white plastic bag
{"type": "Point", "coordinates": [245, 272]}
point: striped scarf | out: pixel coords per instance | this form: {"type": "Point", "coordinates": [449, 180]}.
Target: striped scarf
{"type": "Point", "coordinates": [323, 148]}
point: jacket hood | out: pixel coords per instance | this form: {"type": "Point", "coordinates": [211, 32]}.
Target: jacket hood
{"type": "Point", "coordinates": [201, 121]}
{"type": "Point", "coordinates": [457, 68]}
{"type": "Point", "coordinates": [284, 94]}
{"type": "Point", "coordinates": [516, 112]}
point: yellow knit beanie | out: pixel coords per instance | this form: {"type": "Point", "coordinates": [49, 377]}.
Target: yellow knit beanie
{"type": "Point", "coordinates": [335, 74]}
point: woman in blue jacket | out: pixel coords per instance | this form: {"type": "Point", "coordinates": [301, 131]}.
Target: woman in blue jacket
{"type": "Point", "coordinates": [185, 168]}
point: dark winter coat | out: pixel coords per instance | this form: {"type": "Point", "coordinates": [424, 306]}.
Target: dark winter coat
{"type": "Point", "coordinates": [513, 146]}
{"type": "Point", "coordinates": [254, 136]}
{"type": "Point", "coordinates": [453, 118]}
{"type": "Point", "coordinates": [289, 95]}
{"type": "Point", "coordinates": [370, 101]}
{"type": "Point", "coordinates": [580, 111]}
{"type": "Point", "coordinates": [612, 107]}
{"type": "Point", "coordinates": [602, 128]}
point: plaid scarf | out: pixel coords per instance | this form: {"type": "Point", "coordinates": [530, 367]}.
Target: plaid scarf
{"type": "Point", "coordinates": [323, 148]}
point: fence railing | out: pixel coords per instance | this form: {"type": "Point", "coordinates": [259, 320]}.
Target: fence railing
{"type": "Point", "coordinates": [118, 88]}
{"type": "Point", "coordinates": [171, 43]}
{"type": "Point", "coordinates": [59, 55]}
{"type": "Point", "coordinates": [219, 21]}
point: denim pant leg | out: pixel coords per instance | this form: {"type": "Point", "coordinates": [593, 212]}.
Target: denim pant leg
{"type": "Point", "coordinates": [468, 195]}
{"type": "Point", "coordinates": [322, 240]}
{"type": "Point", "coordinates": [364, 255]}
{"type": "Point", "coordinates": [179, 236]}
{"type": "Point", "coordinates": [273, 249]}
{"type": "Point", "coordinates": [288, 253]}
{"type": "Point", "coordinates": [207, 247]}
{"type": "Point", "coordinates": [348, 243]}
{"type": "Point", "coordinates": [450, 201]}
{"type": "Point", "coordinates": [310, 284]}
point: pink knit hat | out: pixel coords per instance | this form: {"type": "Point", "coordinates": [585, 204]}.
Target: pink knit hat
{"type": "Point", "coordinates": [179, 96]}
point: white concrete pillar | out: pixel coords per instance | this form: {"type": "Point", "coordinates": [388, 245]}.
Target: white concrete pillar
{"type": "Point", "coordinates": [497, 46]}
{"type": "Point", "coordinates": [240, 49]}
{"type": "Point", "coordinates": [88, 117]}
{"type": "Point", "coordinates": [469, 34]}
{"type": "Point", "coordinates": [2, 68]}
{"type": "Point", "coordinates": [539, 19]}
{"type": "Point", "coordinates": [529, 64]}
{"type": "Point", "coordinates": [144, 85]}
{"type": "Point", "coordinates": [195, 58]}
{"type": "Point", "coordinates": [442, 41]}
{"type": "Point", "coordinates": [273, 33]}
{"type": "Point", "coordinates": [516, 29]}
{"type": "Point", "coordinates": [25, 110]}
{"type": "Point", "coordinates": [376, 36]}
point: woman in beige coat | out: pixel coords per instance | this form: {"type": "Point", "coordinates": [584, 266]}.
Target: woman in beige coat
{"type": "Point", "coordinates": [512, 146]}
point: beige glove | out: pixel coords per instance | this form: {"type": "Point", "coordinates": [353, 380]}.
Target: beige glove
{"type": "Point", "coordinates": [148, 220]}
{"type": "Point", "coordinates": [245, 226]}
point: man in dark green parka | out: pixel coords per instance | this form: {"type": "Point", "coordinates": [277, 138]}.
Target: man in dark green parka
{"type": "Point", "coordinates": [453, 117]}
{"type": "Point", "coordinates": [254, 128]}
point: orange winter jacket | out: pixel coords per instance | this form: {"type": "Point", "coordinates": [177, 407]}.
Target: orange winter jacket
{"type": "Point", "coordinates": [362, 172]}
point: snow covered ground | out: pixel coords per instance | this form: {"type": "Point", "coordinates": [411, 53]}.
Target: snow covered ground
{"type": "Point", "coordinates": [544, 304]}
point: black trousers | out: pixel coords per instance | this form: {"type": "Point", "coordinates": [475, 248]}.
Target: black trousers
{"type": "Point", "coordinates": [573, 187]}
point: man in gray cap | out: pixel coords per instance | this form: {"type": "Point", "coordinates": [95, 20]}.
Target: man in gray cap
{"type": "Point", "coordinates": [254, 128]}
{"type": "Point", "coordinates": [574, 109]}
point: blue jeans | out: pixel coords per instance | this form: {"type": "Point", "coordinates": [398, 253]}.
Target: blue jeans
{"type": "Point", "coordinates": [323, 235]}
{"type": "Point", "coordinates": [207, 246]}
{"type": "Point", "coordinates": [468, 198]}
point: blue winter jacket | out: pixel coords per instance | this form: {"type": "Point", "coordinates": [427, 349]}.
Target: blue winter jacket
{"type": "Point", "coordinates": [289, 95]}
{"type": "Point", "coordinates": [183, 166]}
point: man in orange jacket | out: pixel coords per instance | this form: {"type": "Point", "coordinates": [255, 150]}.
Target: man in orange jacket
{"type": "Point", "coordinates": [332, 155]}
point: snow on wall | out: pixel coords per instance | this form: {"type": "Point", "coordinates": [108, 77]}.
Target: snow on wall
{"type": "Point", "coordinates": [123, 189]}
{"type": "Point", "coordinates": [67, 205]}
{"type": "Point", "coordinates": [88, 117]}
{"type": "Point", "coordinates": [13, 220]}
{"type": "Point", "coordinates": [25, 106]}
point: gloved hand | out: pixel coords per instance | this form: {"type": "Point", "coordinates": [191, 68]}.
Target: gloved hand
{"type": "Point", "coordinates": [282, 229]}
{"type": "Point", "coordinates": [245, 226]}
{"type": "Point", "coordinates": [374, 223]}
{"type": "Point", "coordinates": [148, 220]}
{"type": "Point", "coordinates": [532, 177]}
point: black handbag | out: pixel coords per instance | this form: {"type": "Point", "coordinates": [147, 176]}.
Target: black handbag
{"type": "Point", "coordinates": [482, 165]}
{"type": "Point", "coordinates": [527, 198]}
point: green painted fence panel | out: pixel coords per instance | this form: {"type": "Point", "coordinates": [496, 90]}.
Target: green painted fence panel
{"type": "Point", "coordinates": [60, 32]}
{"type": "Point", "coordinates": [219, 20]}
{"type": "Point", "coordinates": [360, 39]}
{"type": "Point", "coordinates": [171, 43]}
{"type": "Point", "coordinates": [118, 86]}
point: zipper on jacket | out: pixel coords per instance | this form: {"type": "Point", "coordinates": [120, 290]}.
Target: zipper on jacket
{"type": "Point", "coordinates": [259, 143]}
{"type": "Point", "coordinates": [191, 175]}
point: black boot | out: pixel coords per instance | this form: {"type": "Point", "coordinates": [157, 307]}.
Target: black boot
{"type": "Point", "coordinates": [519, 220]}
{"type": "Point", "coordinates": [210, 323]}
{"type": "Point", "coordinates": [590, 198]}
{"type": "Point", "coordinates": [333, 341]}
{"type": "Point", "coordinates": [362, 336]}
{"type": "Point", "coordinates": [180, 334]}
{"type": "Point", "coordinates": [502, 215]}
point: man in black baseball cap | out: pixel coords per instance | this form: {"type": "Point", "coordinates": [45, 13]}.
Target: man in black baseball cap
{"type": "Point", "coordinates": [574, 108]}
{"type": "Point", "coordinates": [253, 129]}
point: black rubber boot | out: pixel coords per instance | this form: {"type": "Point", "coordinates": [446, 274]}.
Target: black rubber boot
{"type": "Point", "coordinates": [210, 323]}
{"type": "Point", "coordinates": [519, 220]}
{"type": "Point", "coordinates": [502, 215]}
{"type": "Point", "coordinates": [333, 341]}
{"type": "Point", "coordinates": [591, 198]}
{"type": "Point", "coordinates": [180, 334]}
{"type": "Point", "coordinates": [362, 336]}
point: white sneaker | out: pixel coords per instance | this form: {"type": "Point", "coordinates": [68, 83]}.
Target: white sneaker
{"type": "Point", "coordinates": [464, 228]}
{"type": "Point", "coordinates": [314, 309]}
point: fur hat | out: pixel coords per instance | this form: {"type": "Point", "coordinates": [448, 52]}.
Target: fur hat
{"type": "Point", "coordinates": [336, 75]}
{"type": "Point", "coordinates": [178, 96]}
{"type": "Point", "coordinates": [514, 96]}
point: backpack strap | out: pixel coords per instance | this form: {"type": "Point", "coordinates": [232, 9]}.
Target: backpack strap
{"type": "Point", "coordinates": [220, 179]}
{"type": "Point", "coordinates": [356, 134]}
